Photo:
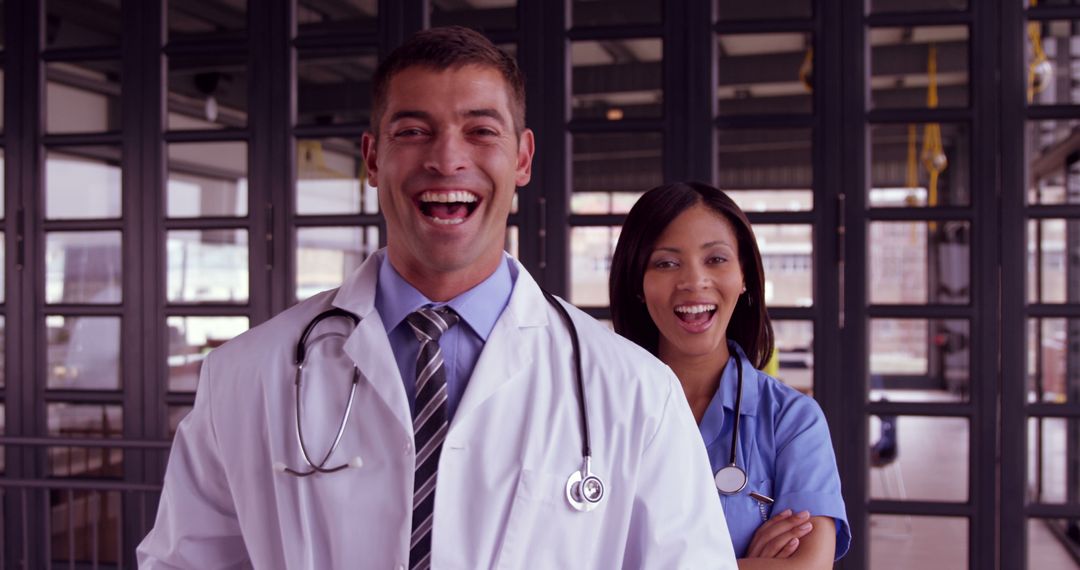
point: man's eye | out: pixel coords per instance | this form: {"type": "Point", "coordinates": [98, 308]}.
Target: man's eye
{"type": "Point", "coordinates": [485, 132]}
{"type": "Point", "coordinates": [410, 132]}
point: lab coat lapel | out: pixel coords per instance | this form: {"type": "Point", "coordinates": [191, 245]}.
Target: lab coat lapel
{"type": "Point", "coordinates": [506, 355]}
{"type": "Point", "coordinates": [368, 345]}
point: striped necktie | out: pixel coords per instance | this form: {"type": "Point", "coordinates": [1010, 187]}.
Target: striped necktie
{"type": "Point", "coordinates": [430, 423]}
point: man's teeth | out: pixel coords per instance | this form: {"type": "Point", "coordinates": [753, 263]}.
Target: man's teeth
{"type": "Point", "coordinates": [448, 197]}
{"type": "Point", "coordinates": [446, 221]}
{"type": "Point", "coordinates": [694, 309]}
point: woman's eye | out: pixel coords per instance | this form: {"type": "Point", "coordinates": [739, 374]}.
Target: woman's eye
{"type": "Point", "coordinates": [664, 264]}
{"type": "Point", "coordinates": [716, 259]}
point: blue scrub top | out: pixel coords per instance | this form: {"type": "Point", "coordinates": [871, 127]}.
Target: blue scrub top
{"type": "Point", "coordinates": [784, 447]}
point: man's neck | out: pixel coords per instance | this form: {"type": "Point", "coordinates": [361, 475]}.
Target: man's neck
{"type": "Point", "coordinates": [442, 286]}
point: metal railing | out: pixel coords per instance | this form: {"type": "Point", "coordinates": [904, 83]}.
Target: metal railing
{"type": "Point", "coordinates": [78, 519]}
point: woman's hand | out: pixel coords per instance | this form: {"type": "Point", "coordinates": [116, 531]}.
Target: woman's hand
{"type": "Point", "coordinates": [779, 536]}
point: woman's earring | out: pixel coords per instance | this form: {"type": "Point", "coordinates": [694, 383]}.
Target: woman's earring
{"type": "Point", "coordinates": [640, 298]}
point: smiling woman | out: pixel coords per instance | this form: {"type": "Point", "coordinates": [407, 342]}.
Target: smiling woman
{"type": "Point", "coordinates": [687, 284]}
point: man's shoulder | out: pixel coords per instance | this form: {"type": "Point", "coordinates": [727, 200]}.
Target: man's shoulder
{"type": "Point", "coordinates": [281, 330]}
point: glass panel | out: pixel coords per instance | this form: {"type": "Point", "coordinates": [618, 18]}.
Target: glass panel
{"type": "Point", "coordinates": [1053, 171]}
{"type": "Point", "coordinates": [486, 15]}
{"type": "Point", "coordinates": [1053, 360]}
{"type": "Point", "coordinates": [610, 13]}
{"type": "Point", "coordinates": [188, 18]}
{"type": "Point", "coordinates": [74, 23]}
{"type": "Point", "coordinates": [85, 420]}
{"type": "Point", "coordinates": [327, 256]}
{"type": "Point", "coordinates": [93, 520]}
{"type": "Point", "coordinates": [902, 541]}
{"type": "Point", "coordinates": [350, 16]}
{"type": "Point", "coordinates": [1053, 274]}
{"type": "Point", "coordinates": [3, 170]}
{"type": "Point", "coordinates": [334, 90]}
{"type": "Point", "coordinates": [590, 262]}
{"type": "Point", "coordinates": [793, 361]}
{"type": "Point", "coordinates": [176, 414]}
{"type": "Point", "coordinates": [778, 160]}
{"type": "Point", "coordinates": [901, 448]}
{"type": "Point", "coordinates": [207, 265]}
{"type": "Point", "coordinates": [1046, 543]}
{"type": "Point", "coordinates": [190, 340]}
{"type": "Point", "coordinates": [83, 182]}
{"type": "Point", "coordinates": [3, 428]}
{"type": "Point", "coordinates": [1, 82]}
{"type": "Point", "coordinates": [901, 60]}
{"type": "Point", "coordinates": [3, 365]}
{"type": "Point", "coordinates": [603, 202]}
{"type": "Point", "coordinates": [1053, 458]}
{"type": "Point", "coordinates": [82, 97]}
{"type": "Point", "coordinates": [765, 73]}
{"type": "Point", "coordinates": [83, 353]}
{"type": "Point", "coordinates": [83, 267]}
{"type": "Point", "coordinates": [878, 6]}
{"type": "Point", "coordinates": [207, 179]}
{"type": "Point", "coordinates": [919, 262]}
{"type": "Point", "coordinates": [331, 178]}
{"type": "Point", "coordinates": [728, 10]}
{"type": "Point", "coordinates": [617, 79]}
{"type": "Point", "coordinates": [920, 360]}
{"type": "Point", "coordinates": [208, 92]}
{"type": "Point", "coordinates": [905, 158]}
{"type": "Point", "coordinates": [1051, 70]}
{"type": "Point", "coordinates": [787, 254]}
{"type": "Point", "coordinates": [617, 162]}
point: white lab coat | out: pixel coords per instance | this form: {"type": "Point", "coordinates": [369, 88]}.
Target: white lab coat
{"type": "Point", "coordinates": [500, 500]}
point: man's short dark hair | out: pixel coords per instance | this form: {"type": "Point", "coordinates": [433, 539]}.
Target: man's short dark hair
{"type": "Point", "coordinates": [445, 48]}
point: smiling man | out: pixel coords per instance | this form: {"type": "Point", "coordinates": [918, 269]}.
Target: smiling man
{"type": "Point", "coordinates": [474, 434]}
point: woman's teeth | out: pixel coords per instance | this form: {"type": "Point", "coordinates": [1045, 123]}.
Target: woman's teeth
{"type": "Point", "coordinates": [695, 312]}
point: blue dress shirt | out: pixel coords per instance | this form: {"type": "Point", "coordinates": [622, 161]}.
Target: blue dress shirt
{"type": "Point", "coordinates": [784, 447]}
{"type": "Point", "coordinates": [479, 309]}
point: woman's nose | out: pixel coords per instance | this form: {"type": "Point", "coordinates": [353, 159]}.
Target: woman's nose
{"type": "Point", "coordinates": [693, 277]}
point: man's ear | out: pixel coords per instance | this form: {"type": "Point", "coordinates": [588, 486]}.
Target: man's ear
{"type": "Point", "coordinates": [367, 149]}
{"type": "Point", "coordinates": [526, 148]}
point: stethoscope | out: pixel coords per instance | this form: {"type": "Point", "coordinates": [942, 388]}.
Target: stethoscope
{"type": "Point", "coordinates": [584, 489]}
{"type": "Point", "coordinates": [732, 478]}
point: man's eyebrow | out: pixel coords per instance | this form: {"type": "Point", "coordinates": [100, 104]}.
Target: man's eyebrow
{"type": "Point", "coordinates": [407, 114]}
{"type": "Point", "coordinates": [486, 112]}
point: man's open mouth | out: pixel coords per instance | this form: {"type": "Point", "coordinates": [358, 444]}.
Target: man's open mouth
{"type": "Point", "coordinates": [448, 208]}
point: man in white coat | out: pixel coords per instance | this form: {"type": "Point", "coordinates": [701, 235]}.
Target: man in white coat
{"type": "Point", "coordinates": [466, 422]}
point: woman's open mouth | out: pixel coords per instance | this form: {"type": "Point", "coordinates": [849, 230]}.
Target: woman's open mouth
{"type": "Point", "coordinates": [696, 317]}
{"type": "Point", "coordinates": [447, 208]}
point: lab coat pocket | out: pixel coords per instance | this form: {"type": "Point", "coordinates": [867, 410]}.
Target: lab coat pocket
{"type": "Point", "coordinates": [536, 494]}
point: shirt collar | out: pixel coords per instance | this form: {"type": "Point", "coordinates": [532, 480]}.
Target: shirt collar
{"type": "Point", "coordinates": [724, 399]}
{"type": "Point", "coordinates": [479, 307]}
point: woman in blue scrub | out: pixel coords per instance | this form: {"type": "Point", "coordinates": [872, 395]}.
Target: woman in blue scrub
{"type": "Point", "coordinates": [687, 284]}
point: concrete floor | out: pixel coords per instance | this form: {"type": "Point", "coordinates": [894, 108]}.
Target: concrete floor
{"type": "Point", "coordinates": [941, 542]}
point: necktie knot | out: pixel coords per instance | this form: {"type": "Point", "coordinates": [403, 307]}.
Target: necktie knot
{"type": "Point", "coordinates": [428, 323]}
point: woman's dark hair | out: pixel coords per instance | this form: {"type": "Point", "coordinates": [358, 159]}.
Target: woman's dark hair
{"type": "Point", "coordinates": [749, 325]}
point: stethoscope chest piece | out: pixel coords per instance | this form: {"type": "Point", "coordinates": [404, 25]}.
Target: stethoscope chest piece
{"type": "Point", "coordinates": [584, 491]}
{"type": "Point", "coordinates": [730, 479]}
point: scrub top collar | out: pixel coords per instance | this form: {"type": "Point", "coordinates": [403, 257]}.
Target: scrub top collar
{"type": "Point", "coordinates": [723, 401]}
{"type": "Point", "coordinates": [397, 299]}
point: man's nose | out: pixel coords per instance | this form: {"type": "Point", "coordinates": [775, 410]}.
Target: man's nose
{"type": "Point", "coordinates": [449, 155]}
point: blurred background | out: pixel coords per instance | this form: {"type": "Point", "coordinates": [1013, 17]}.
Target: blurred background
{"type": "Point", "coordinates": [177, 171]}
